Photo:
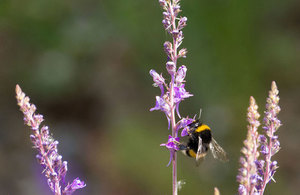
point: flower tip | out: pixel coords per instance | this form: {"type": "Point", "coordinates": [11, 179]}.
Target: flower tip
{"type": "Point", "coordinates": [274, 86]}
{"type": "Point", "coordinates": [151, 72]}
{"type": "Point", "coordinates": [252, 100]}
{"type": "Point", "coordinates": [216, 191]}
{"type": "Point", "coordinates": [171, 67]}
{"type": "Point", "coordinates": [18, 89]}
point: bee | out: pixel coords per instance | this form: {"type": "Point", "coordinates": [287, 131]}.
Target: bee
{"type": "Point", "coordinates": [200, 142]}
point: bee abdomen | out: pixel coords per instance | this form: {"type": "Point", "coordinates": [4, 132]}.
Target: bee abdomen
{"type": "Point", "coordinates": [205, 136]}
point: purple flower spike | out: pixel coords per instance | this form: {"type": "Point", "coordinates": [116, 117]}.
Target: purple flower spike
{"type": "Point", "coordinates": [248, 167]}
{"type": "Point", "coordinates": [172, 93]}
{"type": "Point", "coordinates": [255, 173]}
{"type": "Point", "coordinates": [54, 169]}
{"type": "Point", "coordinates": [270, 143]}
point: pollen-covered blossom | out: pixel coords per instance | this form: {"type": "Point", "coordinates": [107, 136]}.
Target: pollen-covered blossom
{"type": "Point", "coordinates": [269, 142]}
{"type": "Point", "coordinates": [54, 168]}
{"type": "Point", "coordinates": [255, 173]}
{"type": "Point", "coordinates": [248, 173]}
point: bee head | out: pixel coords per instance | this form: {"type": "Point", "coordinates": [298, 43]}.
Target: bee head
{"type": "Point", "coordinates": [194, 125]}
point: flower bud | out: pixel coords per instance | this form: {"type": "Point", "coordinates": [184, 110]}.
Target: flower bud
{"type": "Point", "coordinates": [158, 79]}
{"type": "Point", "coordinates": [168, 48]}
{"type": "Point", "coordinates": [171, 67]}
{"type": "Point", "coordinates": [182, 53]}
{"type": "Point", "coordinates": [182, 23]}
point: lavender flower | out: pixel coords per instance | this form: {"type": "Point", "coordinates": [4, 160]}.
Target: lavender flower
{"type": "Point", "coordinates": [269, 143]}
{"type": "Point", "coordinates": [174, 92]}
{"type": "Point", "coordinates": [248, 173]}
{"type": "Point", "coordinates": [54, 168]}
{"type": "Point", "coordinates": [255, 173]}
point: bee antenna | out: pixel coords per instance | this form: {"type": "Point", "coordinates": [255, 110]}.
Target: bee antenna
{"type": "Point", "coordinates": [200, 111]}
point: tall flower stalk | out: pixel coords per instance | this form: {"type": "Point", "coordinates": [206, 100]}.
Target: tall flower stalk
{"type": "Point", "coordinates": [174, 92]}
{"type": "Point", "coordinates": [256, 173]}
{"type": "Point", "coordinates": [248, 173]}
{"type": "Point", "coordinates": [269, 143]}
{"type": "Point", "coordinates": [54, 168]}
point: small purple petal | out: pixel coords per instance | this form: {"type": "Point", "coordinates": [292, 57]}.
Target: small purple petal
{"type": "Point", "coordinates": [162, 3]}
{"type": "Point", "coordinates": [262, 139]}
{"type": "Point", "coordinates": [171, 157]}
{"type": "Point", "coordinates": [162, 106]}
{"type": "Point", "coordinates": [182, 23]}
{"type": "Point", "coordinates": [75, 185]}
{"type": "Point", "coordinates": [182, 53]}
{"type": "Point", "coordinates": [158, 79]}
{"type": "Point", "coordinates": [242, 190]}
{"type": "Point", "coordinates": [183, 123]}
{"type": "Point", "coordinates": [177, 110]}
{"type": "Point", "coordinates": [180, 93]}
{"type": "Point", "coordinates": [159, 104]}
{"type": "Point", "coordinates": [168, 48]}
{"type": "Point", "coordinates": [264, 150]}
{"type": "Point", "coordinates": [184, 132]}
{"type": "Point", "coordinates": [172, 146]}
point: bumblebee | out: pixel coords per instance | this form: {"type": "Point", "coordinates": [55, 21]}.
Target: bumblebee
{"type": "Point", "coordinates": [200, 142]}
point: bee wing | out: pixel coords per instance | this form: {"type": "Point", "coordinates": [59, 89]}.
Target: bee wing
{"type": "Point", "coordinates": [200, 152]}
{"type": "Point", "coordinates": [217, 151]}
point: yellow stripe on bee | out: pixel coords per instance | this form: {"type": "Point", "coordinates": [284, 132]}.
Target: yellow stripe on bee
{"type": "Point", "coordinates": [192, 153]}
{"type": "Point", "coordinates": [202, 128]}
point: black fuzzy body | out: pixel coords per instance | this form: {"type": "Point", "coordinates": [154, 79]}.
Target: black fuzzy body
{"type": "Point", "coordinates": [193, 142]}
{"type": "Point", "coordinates": [197, 129]}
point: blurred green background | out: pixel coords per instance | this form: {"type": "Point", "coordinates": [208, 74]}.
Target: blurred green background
{"type": "Point", "coordinates": [85, 65]}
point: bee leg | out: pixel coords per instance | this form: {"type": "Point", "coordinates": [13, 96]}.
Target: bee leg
{"type": "Point", "coordinates": [182, 147]}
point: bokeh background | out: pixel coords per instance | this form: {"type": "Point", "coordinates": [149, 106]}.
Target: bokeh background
{"type": "Point", "coordinates": [85, 64]}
